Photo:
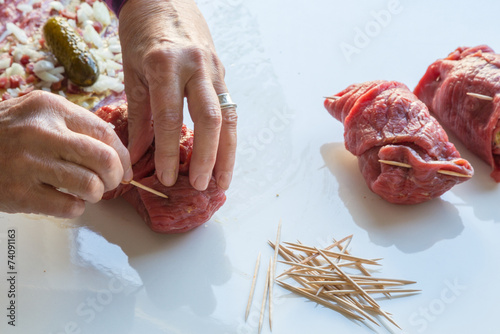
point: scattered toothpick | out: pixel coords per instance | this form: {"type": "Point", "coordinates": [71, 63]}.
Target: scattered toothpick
{"type": "Point", "coordinates": [326, 278]}
{"type": "Point", "coordinates": [264, 298]}
{"type": "Point", "coordinates": [252, 289]}
{"type": "Point", "coordinates": [273, 275]}
{"type": "Point", "coordinates": [143, 187]}
{"type": "Point", "coordinates": [405, 165]}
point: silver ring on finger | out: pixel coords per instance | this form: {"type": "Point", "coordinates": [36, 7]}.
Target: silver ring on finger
{"type": "Point", "coordinates": [226, 101]}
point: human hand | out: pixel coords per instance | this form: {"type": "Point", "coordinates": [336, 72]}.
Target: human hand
{"type": "Point", "coordinates": [168, 54]}
{"type": "Point", "coordinates": [48, 143]}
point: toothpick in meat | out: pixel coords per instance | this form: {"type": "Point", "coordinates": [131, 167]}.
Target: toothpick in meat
{"type": "Point", "coordinates": [480, 96]}
{"type": "Point", "coordinates": [404, 165]}
{"type": "Point", "coordinates": [151, 190]}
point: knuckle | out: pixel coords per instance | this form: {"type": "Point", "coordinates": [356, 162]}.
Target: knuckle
{"type": "Point", "coordinates": [159, 61]}
{"type": "Point", "coordinates": [108, 159]}
{"type": "Point", "coordinates": [43, 99]}
{"type": "Point", "coordinates": [107, 134]}
{"type": "Point", "coordinates": [230, 117]}
{"type": "Point", "coordinates": [159, 56]}
{"type": "Point", "coordinates": [198, 55]}
{"type": "Point", "coordinates": [92, 188]}
{"type": "Point", "coordinates": [217, 67]}
{"type": "Point", "coordinates": [71, 207]}
{"type": "Point", "coordinates": [168, 121]}
{"type": "Point", "coordinates": [211, 118]}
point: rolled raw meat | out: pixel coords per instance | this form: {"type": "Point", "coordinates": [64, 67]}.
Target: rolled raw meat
{"type": "Point", "coordinates": [473, 118]}
{"type": "Point", "coordinates": [403, 152]}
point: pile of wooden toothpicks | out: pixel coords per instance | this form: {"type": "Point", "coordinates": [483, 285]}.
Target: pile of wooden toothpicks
{"type": "Point", "coordinates": [329, 276]}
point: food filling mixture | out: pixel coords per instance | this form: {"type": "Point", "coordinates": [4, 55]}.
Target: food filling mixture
{"type": "Point", "coordinates": [32, 56]}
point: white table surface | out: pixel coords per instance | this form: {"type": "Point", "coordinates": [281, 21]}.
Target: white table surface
{"type": "Point", "coordinates": [106, 272]}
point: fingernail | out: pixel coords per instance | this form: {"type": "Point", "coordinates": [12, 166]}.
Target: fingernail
{"type": "Point", "coordinates": [201, 182]}
{"type": "Point", "coordinates": [224, 180]}
{"type": "Point", "coordinates": [128, 175]}
{"type": "Point", "coordinates": [168, 177]}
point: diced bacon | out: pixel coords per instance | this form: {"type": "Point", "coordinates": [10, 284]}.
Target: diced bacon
{"type": "Point", "coordinates": [37, 5]}
{"type": "Point", "coordinates": [31, 79]}
{"type": "Point", "coordinates": [56, 85]}
{"type": "Point", "coordinates": [16, 81]}
{"type": "Point", "coordinates": [6, 96]}
{"type": "Point", "coordinates": [26, 90]}
{"type": "Point", "coordinates": [67, 14]}
{"type": "Point", "coordinates": [25, 59]}
{"type": "Point", "coordinates": [72, 88]}
{"type": "Point", "coordinates": [4, 83]}
{"type": "Point", "coordinates": [28, 68]}
{"type": "Point", "coordinates": [97, 26]}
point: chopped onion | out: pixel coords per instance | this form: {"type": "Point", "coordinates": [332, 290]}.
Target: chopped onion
{"type": "Point", "coordinates": [4, 63]}
{"type": "Point", "coordinates": [101, 13]}
{"type": "Point", "coordinates": [43, 66]}
{"type": "Point", "coordinates": [84, 13]}
{"type": "Point", "coordinates": [18, 32]}
{"type": "Point", "coordinates": [91, 36]}
{"type": "Point", "coordinates": [115, 48]}
{"type": "Point", "coordinates": [56, 5]}
{"type": "Point", "coordinates": [104, 83]}
{"type": "Point", "coordinates": [47, 77]}
{"type": "Point", "coordinates": [72, 23]}
{"type": "Point", "coordinates": [56, 70]}
{"type": "Point", "coordinates": [14, 92]}
{"type": "Point", "coordinates": [25, 8]}
{"type": "Point", "coordinates": [15, 69]}
{"type": "Point", "coordinates": [113, 65]}
{"type": "Point", "coordinates": [104, 53]}
{"type": "Point", "coordinates": [21, 50]}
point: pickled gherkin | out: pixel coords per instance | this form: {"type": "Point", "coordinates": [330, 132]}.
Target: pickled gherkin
{"type": "Point", "coordinates": [71, 51]}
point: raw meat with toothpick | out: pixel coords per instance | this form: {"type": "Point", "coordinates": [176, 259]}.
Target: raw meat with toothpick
{"type": "Point", "coordinates": [185, 208]}
{"type": "Point", "coordinates": [403, 152]}
{"type": "Point", "coordinates": [462, 91]}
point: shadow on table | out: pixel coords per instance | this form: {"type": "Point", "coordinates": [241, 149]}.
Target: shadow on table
{"type": "Point", "coordinates": [411, 228]}
{"type": "Point", "coordinates": [178, 271]}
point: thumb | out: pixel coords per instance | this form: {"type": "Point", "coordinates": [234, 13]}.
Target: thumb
{"type": "Point", "coordinates": [140, 126]}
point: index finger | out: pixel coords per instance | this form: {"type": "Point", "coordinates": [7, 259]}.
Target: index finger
{"type": "Point", "coordinates": [85, 122]}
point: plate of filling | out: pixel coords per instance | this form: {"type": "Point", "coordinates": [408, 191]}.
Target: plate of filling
{"type": "Point", "coordinates": [380, 219]}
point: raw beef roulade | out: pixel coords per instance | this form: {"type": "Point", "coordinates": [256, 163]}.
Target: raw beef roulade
{"type": "Point", "coordinates": [186, 207]}
{"type": "Point", "coordinates": [384, 121]}
{"type": "Point", "coordinates": [474, 119]}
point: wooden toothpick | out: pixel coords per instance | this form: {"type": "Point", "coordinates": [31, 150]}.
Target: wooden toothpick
{"type": "Point", "coordinates": [151, 190]}
{"type": "Point", "coordinates": [264, 298]}
{"type": "Point", "coordinates": [480, 96]}
{"type": "Point", "coordinates": [273, 274]}
{"type": "Point", "coordinates": [252, 289]}
{"type": "Point", "coordinates": [441, 171]}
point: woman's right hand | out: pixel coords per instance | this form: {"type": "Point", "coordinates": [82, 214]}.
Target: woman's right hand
{"type": "Point", "coordinates": [48, 143]}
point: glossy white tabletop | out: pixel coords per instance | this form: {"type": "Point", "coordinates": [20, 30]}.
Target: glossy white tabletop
{"type": "Point", "coordinates": [106, 272]}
